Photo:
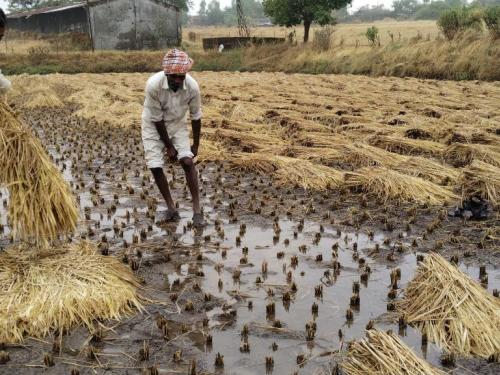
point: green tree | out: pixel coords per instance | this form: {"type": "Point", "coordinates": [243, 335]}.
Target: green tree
{"type": "Point", "coordinates": [405, 8]}
{"type": "Point", "coordinates": [215, 15]}
{"type": "Point", "coordinates": [202, 12]}
{"type": "Point", "coordinates": [293, 12]}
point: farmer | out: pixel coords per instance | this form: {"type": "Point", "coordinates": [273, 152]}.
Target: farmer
{"type": "Point", "coordinates": [169, 95]}
{"type": "Point", "coordinates": [4, 82]}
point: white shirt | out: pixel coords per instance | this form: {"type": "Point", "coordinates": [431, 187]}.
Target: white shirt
{"type": "Point", "coordinates": [161, 103]}
{"type": "Point", "coordinates": [4, 84]}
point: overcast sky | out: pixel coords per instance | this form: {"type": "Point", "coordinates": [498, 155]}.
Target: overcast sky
{"type": "Point", "coordinates": [196, 4]}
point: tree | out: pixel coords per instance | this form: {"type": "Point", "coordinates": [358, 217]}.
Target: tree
{"type": "Point", "coordinates": [293, 12]}
{"type": "Point", "coordinates": [405, 8]}
{"type": "Point", "coordinates": [215, 15]}
{"type": "Point", "coordinates": [202, 12]}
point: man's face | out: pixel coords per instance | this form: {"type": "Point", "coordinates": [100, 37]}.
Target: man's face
{"type": "Point", "coordinates": [175, 81]}
{"type": "Point", "coordinates": [2, 31]}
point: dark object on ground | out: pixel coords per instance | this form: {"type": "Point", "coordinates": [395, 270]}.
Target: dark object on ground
{"type": "Point", "coordinates": [474, 208]}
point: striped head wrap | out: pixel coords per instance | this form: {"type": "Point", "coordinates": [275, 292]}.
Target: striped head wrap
{"type": "Point", "coordinates": [177, 62]}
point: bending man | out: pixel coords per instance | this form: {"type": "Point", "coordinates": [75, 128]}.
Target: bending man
{"type": "Point", "coordinates": [4, 82]}
{"type": "Point", "coordinates": [169, 96]}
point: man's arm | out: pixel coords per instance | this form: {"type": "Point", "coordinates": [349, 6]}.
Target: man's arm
{"type": "Point", "coordinates": [196, 126]}
{"type": "Point", "coordinates": [162, 131]}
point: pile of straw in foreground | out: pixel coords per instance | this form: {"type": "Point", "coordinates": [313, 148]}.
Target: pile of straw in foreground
{"type": "Point", "coordinates": [40, 201]}
{"type": "Point", "coordinates": [44, 290]}
{"type": "Point", "coordinates": [385, 354]}
{"type": "Point", "coordinates": [453, 310]}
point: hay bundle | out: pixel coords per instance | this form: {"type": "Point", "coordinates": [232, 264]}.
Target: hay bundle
{"type": "Point", "coordinates": [453, 311]}
{"type": "Point", "coordinates": [406, 146]}
{"type": "Point", "coordinates": [481, 180]}
{"type": "Point", "coordinates": [389, 184]}
{"type": "Point", "coordinates": [40, 201]}
{"type": "Point", "coordinates": [291, 171]}
{"type": "Point", "coordinates": [385, 354]}
{"type": "Point", "coordinates": [42, 290]}
{"type": "Point", "coordinates": [460, 155]}
{"type": "Point", "coordinates": [428, 169]}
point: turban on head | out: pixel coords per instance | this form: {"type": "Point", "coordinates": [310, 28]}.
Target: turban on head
{"type": "Point", "coordinates": [177, 62]}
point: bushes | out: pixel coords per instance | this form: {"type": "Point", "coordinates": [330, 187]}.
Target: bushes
{"type": "Point", "coordinates": [323, 38]}
{"type": "Point", "coordinates": [372, 35]}
{"type": "Point", "coordinates": [491, 18]}
{"type": "Point", "coordinates": [453, 21]}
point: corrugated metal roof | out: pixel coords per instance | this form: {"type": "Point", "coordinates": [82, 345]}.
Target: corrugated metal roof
{"type": "Point", "coordinates": [61, 8]}
{"type": "Point", "coordinates": [53, 9]}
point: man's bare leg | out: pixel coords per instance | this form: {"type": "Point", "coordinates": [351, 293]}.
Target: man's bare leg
{"type": "Point", "coordinates": [162, 183]}
{"type": "Point", "coordinates": [192, 182]}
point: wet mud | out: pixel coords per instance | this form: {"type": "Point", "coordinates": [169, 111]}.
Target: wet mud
{"type": "Point", "coordinates": [275, 274]}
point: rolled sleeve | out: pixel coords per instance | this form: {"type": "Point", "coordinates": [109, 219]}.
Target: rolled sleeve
{"type": "Point", "coordinates": [195, 105]}
{"type": "Point", "coordinates": [152, 106]}
{"type": "Point", "coordinates": [5, 84]}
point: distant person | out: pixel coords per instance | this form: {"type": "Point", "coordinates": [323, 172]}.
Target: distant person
{"type": "Point", "coordinates": [165, 133]}
{"type": "Point", "coordinates": [221, 48]}
{"type": "Point", "coordinates": [4, 82]}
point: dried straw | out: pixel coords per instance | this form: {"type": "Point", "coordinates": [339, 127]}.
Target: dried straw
{"type": "Point", "coordinates": [453, 311]}
{"type": "Point", "coordinates": [460, 155]}
{"type": "Point", "coordinates": [44, 290]}
{"type": "Point", "coordinates": [406, 146]}
{"type": "Point", "coordinates": [384, 353]}
{"type": "Point", "coordinates": [389, 184]}
{"type": "Point", "coordinates": [291, 171]}
{"type": "Point", "coordinates": [40, 201]}
{"type": "Point", "coordinates": [481, 180]}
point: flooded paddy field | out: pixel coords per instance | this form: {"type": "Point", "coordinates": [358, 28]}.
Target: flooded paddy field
{"type": "Point", "coordinates": [278, 282]}
{"type": "Point", "coordinates": [297, 260]}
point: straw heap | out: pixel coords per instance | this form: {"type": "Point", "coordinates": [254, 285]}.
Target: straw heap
{"type": "Point", "coordinates": [385, 354]}
{"type": "Point", "coordinates": [44, 290]}
{"type": "Point", "coordinates": [481, 180]}
{"type": "Point", "coordinates": [388, 184]}
{"type": "Point", "coordinates": [453, 311]}
{"type": "Point", "coordinates": [40, 201]}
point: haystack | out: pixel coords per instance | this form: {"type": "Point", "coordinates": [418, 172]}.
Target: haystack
{"type": "Point", "coordinates": [461, 155]}
{"type": "Point", "coordinates": [481, 180]}
{"type": "Point", "coordinates": [453, 310]}
{"type": "Point", "coordinates": [388, 184]}
{"type": "Point", "coordinates": [45, 290]}
{"type": "Point", "coordinates": [41, 205]}
{"type": "Point", "coordinates": [384, 353]}
{"type": "Point", "coordinates": [289, 171]}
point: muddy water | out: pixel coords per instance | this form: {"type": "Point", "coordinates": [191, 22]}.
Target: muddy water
{"type": "Point", "coordinates": [291, 339]}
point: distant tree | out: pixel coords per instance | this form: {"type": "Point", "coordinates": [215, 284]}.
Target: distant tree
{"type": "Point", "coordinates": [215, 15]}
{"type": "Point", "coordinates": [405, 8]}
{"type": "Point", "coordinates": [293, 12]}
{"type": "Point", "coordinates": [202, 12]}
{"type": "Point", "coordinates": [375, 12]}
{"type": "Point", "coordinates": [431, 11]}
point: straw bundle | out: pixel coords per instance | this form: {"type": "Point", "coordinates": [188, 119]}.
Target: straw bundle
{"type": "Point", "coordinates": [453, 311]}
{"type": "Point", "coordinates": [292, 171]}
{"type": "Point", "coordinates": [389, 184]}
{"type": "Point", "coordinates": [385, 354]}
{"type": "Point", "coordinates": [406, 146]}
{"type": "Point", "coordinates": [40, 201]}
{"type": "Point", "coordinates": [481, 180]}
{"type": "Point", "coordinates": [42, 290]}
{"type": "Point", "coordinates": [428, 169]}
{"type": "Point", "coordinates": [460, 155]}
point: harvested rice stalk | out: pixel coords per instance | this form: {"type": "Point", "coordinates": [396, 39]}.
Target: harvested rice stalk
{"type": "Point", "coordinates": [460, 155]}
{"type": "Point", "coordinates": [44, 290]}
{"type": "Point", "coordinates": [406, 146]}
{"type": "Point", "coordinates": [481, 180]}
{"type": "Point", "coordinates": [428, 169]}
{"type": "Point", "coordinates": [384, 353]}
{"type": "Point", "coordinates": [389, 184]}
{"type": "Point", "coordinates": [289, 170]}
{"type": "Point", "coordinates": [40, 201]}
{"type": "Point", "coordinates": [453, 311]}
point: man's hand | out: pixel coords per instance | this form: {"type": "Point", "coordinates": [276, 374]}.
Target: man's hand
{"type": "Point", "coordinates": [194, 150]}
{"type": "Point", "coordinates": [171, 153]}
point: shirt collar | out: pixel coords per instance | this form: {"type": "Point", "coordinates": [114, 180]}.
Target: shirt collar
{"type": "Point", "coordinates": [165, 84]}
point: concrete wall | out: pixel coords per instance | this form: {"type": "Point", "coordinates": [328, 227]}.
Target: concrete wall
{"type": "Point", "coordinates": [70, 20]}
{"type": "Point", "coordinates": [134, 24]}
